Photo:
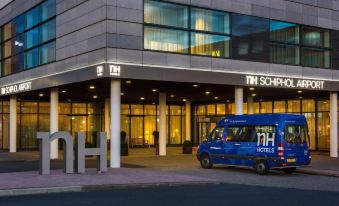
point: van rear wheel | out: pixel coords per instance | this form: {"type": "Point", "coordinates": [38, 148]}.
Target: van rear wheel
{"type": "Point", "coordinates": [205, 161]}
{"type": "Point", "coordinates": [290, 170]}
{"type": "Point", "coordinates": [261, 167]}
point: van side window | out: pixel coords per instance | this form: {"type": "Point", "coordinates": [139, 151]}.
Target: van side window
{"type": "Point", "coordinates": [239, 134]}
{"type": "Point", "coordinates": [217, 133]}
{"type": "Point", "coordinates": [295, 134]}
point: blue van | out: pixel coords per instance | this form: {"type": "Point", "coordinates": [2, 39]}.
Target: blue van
{"type": "Point", "coordinates": [261, 141]}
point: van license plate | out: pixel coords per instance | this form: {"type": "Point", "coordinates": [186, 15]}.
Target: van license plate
{"type": "Point", "coordinates": [291, 160]}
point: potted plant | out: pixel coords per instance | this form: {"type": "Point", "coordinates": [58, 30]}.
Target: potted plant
{"type": "Point", "coordinates": [156, 141]}
{"type": "Point", "coordinates": [187, 147]}
{"type": "Point", "coordinates": [123, 143]}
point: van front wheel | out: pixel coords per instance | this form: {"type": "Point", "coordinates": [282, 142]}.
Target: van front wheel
{"type": "Point", "coordinates": [205, 161]}
{"type": "Point", "coordinates": [261, 167]}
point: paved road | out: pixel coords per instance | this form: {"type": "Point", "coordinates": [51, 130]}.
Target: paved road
{"type": "Point", "coordinates": [224, 194]}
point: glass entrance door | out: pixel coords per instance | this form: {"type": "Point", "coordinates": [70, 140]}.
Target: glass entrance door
{"type": "Point", "coordinates": [204, 129]}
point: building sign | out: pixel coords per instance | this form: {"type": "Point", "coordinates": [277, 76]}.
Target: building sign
{"type": "Point", "coordinates": [15, 88]}
{"type": "Point", "coordinates": [114, 70]}
{"type": "Point", "coordinates": [284, 82]}
{"type": "Point", "coordinates": [100, 71]}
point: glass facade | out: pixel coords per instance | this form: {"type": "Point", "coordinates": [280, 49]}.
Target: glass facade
{"type": "Point", "coordinates": [315, 111]}
{"type": "Point", "coordinates": [28, 40]}
{"type": "Point", "coordinates": [172, 27]}
{"type": "Point", "coordinates": [192, 31]}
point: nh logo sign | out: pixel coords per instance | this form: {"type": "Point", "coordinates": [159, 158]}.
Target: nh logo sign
{"type": "Point", "coordinates": [81, 152]}
{"type": "Point", "coordinates": [264, 139]}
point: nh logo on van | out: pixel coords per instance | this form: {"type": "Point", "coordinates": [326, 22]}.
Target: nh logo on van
{"type": "Point", "coordinates": [264, 139]}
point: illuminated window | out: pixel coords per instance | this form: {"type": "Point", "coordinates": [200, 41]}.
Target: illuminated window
{"type": "Point", "coordinates": [166, 40]}
{"type": "Point", "coordinates": [212, 21]}
{"type": "Point", "coordinates": [210, 45]}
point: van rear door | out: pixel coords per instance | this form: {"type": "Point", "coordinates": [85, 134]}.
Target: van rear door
{"type": "Point", "coordinates": [296, 144]}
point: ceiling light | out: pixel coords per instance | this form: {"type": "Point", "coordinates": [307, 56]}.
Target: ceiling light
{"type": "Point", "coordinates": [216, 97]}
{"type": "Point", "coordinates": [128, 82]}
{"type": "Point", "coordinates": [252, 88]}
{"type": "Point", "coordinates": [184, 100]}
{"type": "Point", "coordinates": [41, 95]}
{"type": "Point", "coordinates": [227, 101]}
{"type": "Point", "coordinates": [154, 90]}
{"type": "Point", "coordinates": [153, 103]}
{"type": "Point", "coordinates": [172, 96]}
{"type": "Point", "coordinates": [122, 94]}
{"type": "Point", "coordinates": [300, 97]}
{"type": "Point", "coordinates": [92, 87]}
{"type": "Point", "coordinates": [253, 95]}
{"type": "Point", "coordinates": [142, 98]}
{"type": "Point", "coordinates": [195, 85]}
{"type": "Point", "coordinates": [95, 97]}
{"type": "Point", "coordinates": [63, 91]}
{"type": "Point", "coordinates": [207, 92]}
{"type": "Point", "coordinates": [299, 91]}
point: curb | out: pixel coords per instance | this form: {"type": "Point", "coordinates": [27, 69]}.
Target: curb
{"type": "Point", "coordinates": [312, 172]}
{"type": "Point", "coordinates": [86, 188]}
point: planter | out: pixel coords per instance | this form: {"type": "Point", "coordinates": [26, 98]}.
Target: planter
{"type": "Point", "coordinates": [187, 150]}
{"type": "Point", "coordinates": [124, 151]}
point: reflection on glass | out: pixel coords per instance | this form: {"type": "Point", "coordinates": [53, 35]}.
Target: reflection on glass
{"type": "Point", "coordinates": [32, 58]}
{"type": "Point", "coordinates": [32, 17]}
{"type": "Point", "coordinates": [316, 57]}
{"type": "Point", "coordinates": [293, 106]}
{"type": "Point", "coordinates": [166, 40]}
{"type": "Point", "coordinates": [279, 107]}
{"type": "Point", "coordinates": [284, 54]}
{"type": "Point", "coordinates": [266, 107]}
{"type": "Point", "coordinates": [175, 129]}
{"type": "Point", "coordinates": [284, 32]}
{"type": "Point", "coordinates": [207, 20]}
{"type": "Point", "coordinates": [323, 130]}
{"type": "Point", "coordinates": [316, 37]}
{"type": "Point", "coordinates": [165, 14]}
{"type": "Point", "coordinates": [47, 53]}
{"type": "Point", "coordinates": [308, 105]}
{"type": "Point", "coordinates": [210, 45]}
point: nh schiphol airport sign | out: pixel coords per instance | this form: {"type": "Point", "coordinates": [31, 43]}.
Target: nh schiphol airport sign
{"type": "Point", "coordinates": [283, 82]}
{"type": "Point", "coordinates": [15, 88]}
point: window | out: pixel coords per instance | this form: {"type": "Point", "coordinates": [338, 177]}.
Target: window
{"type": "Point", "coordinates": [284, 54]}
{"type": "Point", "coordinates": [32, 58]}
{"type": "Point", "coordinates": [47, 10]}
{"type": "Point", "coordinates": [295, 134]}
{"type": "Point", "coordinates": [32, 17]}
{"type": "Point", "coordinates": [212, 21]}
{"type": "Point", "coordinates": [240, 134]}
{"type": "Point", "coordinates": [47, 31]}
{"type": "Point", "coordinates": [250, 27]}
{"type": "Point", "coordinates": [284, 32]}
{"type": "Point", "coordinates": [316, 37]}
{"type": "Point", "coordinates": [218, 133]}
{"type": "Point", "coordinates": [7, 49]}
{"type": "Point", "coordinates": [7, 67]}
{"type": "Point", "coordinates": [18, 24]}
{"type": "Point", "coordinates": [7, 31]}
{"type": "Point", "coordinates": [166, 14]}
{"type": "Point", "coordinates": [166, 40]}
{"type": "Point", "coordinates": [47, 53]}
{"type": "Point", "coordinates": [17, 63]}
{"type": "Point", "coordinates": [313, 57]}
{"type": "Point", "coordinates": [250, 49]}
{"type": "Point", "coordinates": [32, 38]}
{"type": "Point", "coordinates": [210, 45]}
{"type": "Point", "coordinates": [18, 44]}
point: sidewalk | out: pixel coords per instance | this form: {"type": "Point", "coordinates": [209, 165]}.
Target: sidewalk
{"type": "Point", "coordinates": [19, 173]}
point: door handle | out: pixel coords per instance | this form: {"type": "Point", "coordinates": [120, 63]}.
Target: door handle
{"type": "Point", "coordinates": [237, 144]}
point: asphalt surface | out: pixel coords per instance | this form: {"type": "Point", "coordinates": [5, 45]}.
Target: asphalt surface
{"type": "Point", "coordinates": [223, 194]}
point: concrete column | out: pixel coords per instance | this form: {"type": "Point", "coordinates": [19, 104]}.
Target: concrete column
{"type": "Point", "coordinates": [250, 105]}
{"type": "Point", "coordinates": [54, 121]}
{"type": "Point", "coordinates": [334, 124]}
{"type": "Point", "coordinates": [162, 126]}
{"type": "Point", "coordinates": [107, 118]}
{"type": "Point", "coordinates": [12, 123]}
{"type": "Point", "coordinates": [238, 100]}
{"type": "Point", "coordinates": [115, 124]}
{"type": "Point", "coordinates": [188, 120]}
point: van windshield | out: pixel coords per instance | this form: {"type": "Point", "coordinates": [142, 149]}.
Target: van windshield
{"type": "Point", "coordinates": [295, 134]}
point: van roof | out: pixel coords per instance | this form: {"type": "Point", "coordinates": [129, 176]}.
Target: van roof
{"type": "Point", "coordinates": [263, 119]}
